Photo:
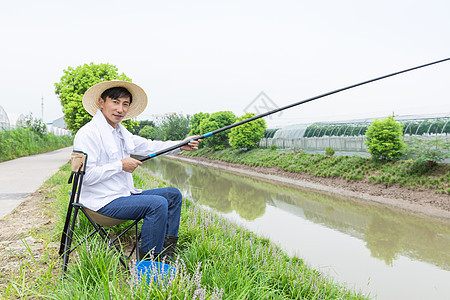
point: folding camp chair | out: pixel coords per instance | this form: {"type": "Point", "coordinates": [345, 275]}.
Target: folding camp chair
{"type": "Point", "coordinates": [98, 221]}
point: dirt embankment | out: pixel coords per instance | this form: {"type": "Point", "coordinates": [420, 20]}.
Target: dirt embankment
{"type": "Point", "coordinates": [425, 202]}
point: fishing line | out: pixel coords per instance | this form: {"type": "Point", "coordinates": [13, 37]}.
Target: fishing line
{"type": "Point", "coordinates": [285, 107]}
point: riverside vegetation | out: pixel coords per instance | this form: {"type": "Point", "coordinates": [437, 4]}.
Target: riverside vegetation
{"type": "Point", "coordinates": [414, 175]}
{"type": "Point", "coordinates": [217, 260]}
{"type": "Point", "coordinates": [20, 142]}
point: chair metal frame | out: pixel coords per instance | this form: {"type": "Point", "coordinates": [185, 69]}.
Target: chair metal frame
{"type": "Point", "coordinates": [97, 220]}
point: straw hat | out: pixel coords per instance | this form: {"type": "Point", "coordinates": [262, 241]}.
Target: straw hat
{"type": "Point", "coordinates": [137, 106]}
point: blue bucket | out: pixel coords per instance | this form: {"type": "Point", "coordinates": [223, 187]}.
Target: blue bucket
{"type": "Point", "coordinates": [154, 271]}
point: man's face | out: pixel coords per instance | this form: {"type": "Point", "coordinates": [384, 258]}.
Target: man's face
{"type": "Point", "coordinates": [114, 110]}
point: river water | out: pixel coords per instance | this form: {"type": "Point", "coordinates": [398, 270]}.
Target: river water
{"type": "Point", "coordinates": [382, 251]}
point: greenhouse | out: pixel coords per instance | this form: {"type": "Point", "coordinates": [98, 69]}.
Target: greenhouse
{"type": "Point", "coordinates": [291, 132]}
{"type": "Point", "coordinates": [347, 137]}
{"type": "Point", "coordinates": [4, 120]}
{"type": "Point", "coordinates": [412, 125]}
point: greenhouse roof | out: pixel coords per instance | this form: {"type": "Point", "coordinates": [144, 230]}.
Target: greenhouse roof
{"type": "Point", "coordinates": [413, 125]}
{"type": "Point", "coordinates": [291, 131]}
{"type": "Point", "coordinates": [4, 120]}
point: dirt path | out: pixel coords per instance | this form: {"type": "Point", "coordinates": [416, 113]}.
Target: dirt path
{"type": "Point", "coordinates": [424, 202]}
{"type": "Point", "coordinates": [20, 242]}
{"type": "Point", "coordinates": [21, 177]}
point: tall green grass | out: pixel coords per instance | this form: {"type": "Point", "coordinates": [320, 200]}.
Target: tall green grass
{"type": "Point", "coordinates": [24, 141]}
{"type": "Point", "coordinates": [217, 260]}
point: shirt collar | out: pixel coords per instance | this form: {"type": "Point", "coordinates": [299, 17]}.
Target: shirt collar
{"type": "Point", "coordinates": [101, 123]}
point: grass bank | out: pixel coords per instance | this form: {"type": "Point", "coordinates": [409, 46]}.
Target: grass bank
{"type": "Point", "coordinates": [218, 260]}
{"type": "Point", "coordinates": [20, 142]}
{"type": "Point", "coordinates": [404, 173]}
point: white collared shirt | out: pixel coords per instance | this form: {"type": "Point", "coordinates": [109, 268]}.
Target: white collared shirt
{"type": "Point", "coordinates": [105, 147]}
{"type": "Point", "coordinates": [119, 140]}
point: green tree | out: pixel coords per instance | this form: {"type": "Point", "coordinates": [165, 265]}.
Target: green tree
{"type": "Point", "coordinates": [140, 125]}
{"type": "Point", "coordinates": [148, 132]}
{"type": "Point", "coordinates": [215, 121]}
{"type": "Point", "coordinates": [195, 123]}
{"type": "Point", "coordinates": [174, 127]}
{"type": "Point", "coordinates": [249, 134]}
{"type": "Point", "coordinates": [384, 139]}
{"type": "Point", "coordinates": [75, 82]}
{"type": "Point", "coordinates": [36, 125]}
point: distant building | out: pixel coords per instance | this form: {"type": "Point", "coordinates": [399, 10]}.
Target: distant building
{"type": "Point", "coordinates": [4, 120]}
{"type": "Point", "coordinates": [58, 127]}
{"type": "Point", "coordinates": [156, 118]}
{"type": "Point", "coordinates": [59, 123]}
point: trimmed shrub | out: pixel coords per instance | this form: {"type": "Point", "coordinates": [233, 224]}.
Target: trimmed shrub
{"type": "Point", "coordinates": [384, 139]}
{"type": "Point", "coordinates": [247, 135]}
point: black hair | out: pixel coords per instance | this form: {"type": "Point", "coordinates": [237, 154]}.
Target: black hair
{"type": "Point", "coordinates": [116, 92]}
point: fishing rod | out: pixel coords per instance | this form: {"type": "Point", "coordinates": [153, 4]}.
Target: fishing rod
{"type": "Point", "coordinates": [283, 108]}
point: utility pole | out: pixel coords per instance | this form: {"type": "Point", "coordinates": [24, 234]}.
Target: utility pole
{"type": "Point", "coordinates": [42, 108]}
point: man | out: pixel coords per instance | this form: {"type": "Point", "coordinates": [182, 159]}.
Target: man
{"type": "Point", "coordinates": [108, 183]}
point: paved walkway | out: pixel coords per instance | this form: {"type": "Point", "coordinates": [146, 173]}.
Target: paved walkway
{"type": "Point", "coordinates": [21, 177]}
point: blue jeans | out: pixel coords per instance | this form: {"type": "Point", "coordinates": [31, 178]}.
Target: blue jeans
{"type": "Point", "coordinates": [160, 209]}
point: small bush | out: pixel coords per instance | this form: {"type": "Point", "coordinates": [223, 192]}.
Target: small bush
{"type": "Point", "coordinates": [273, 147]}
{"type": "Point", "coordinates": [427, 153]}
{"type": "Point", "coordinates": [329, 151]}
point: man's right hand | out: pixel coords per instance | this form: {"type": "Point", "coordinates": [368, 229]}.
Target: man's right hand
{"type": "Point", "coordinates": [130, 164]}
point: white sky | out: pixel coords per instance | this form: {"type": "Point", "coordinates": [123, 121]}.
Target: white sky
{"type": "Point", "coordinates": [208, 56]}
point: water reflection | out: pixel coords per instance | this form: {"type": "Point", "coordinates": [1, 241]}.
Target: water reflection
{"type": "Point", "coordinates": [249, 203]}
{"type": "Point", "coordinates": [211, 191]}
{"type": "Point", "coordinates": [387, 233]}
{"type": "Point", "coordinates": [384, 239]}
